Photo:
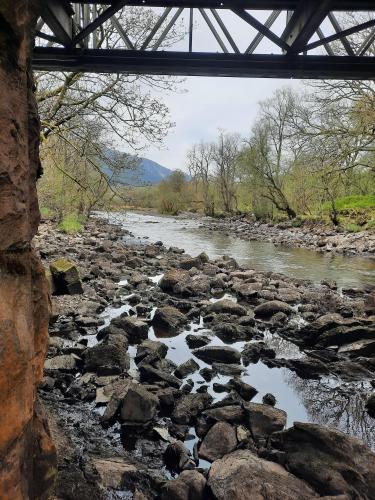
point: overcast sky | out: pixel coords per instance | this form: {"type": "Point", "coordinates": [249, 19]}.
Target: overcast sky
{"type": "Point", "coordinates": [212, 103]}
{"type": "Point", "coordinates": [209, 104]}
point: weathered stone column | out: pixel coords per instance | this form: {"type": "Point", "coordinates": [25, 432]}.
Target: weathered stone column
{"type": "Point", "coordinates": [27, 455]}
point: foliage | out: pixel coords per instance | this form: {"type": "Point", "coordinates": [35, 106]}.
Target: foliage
{"type": "Point", "coordinates": [352, 228]}
{"type": "Point", "coordinates": [172, 193]}
{"type": "Point", "coordinates": [71, 223]}
{"type": "Point", "coordinates": [83, 114]}
{"type": "Point", "coordinates": [45, 212]}
{"type": "Point", "coordinates": [354, 202]}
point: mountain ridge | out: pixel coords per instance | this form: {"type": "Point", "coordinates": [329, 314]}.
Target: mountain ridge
{"type": "Point", "coordinates": [145, 173]}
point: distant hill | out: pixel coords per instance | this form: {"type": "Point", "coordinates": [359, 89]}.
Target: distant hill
{"type": "Point", "coordinates": [141, 172]}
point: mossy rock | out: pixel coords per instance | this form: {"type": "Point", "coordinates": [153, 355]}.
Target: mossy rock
{"type": "Point", "coordinates": [66, 277]}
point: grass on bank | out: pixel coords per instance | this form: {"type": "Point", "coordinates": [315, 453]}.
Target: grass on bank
{"type": "Point", "coordinates": [71, 223]}
{"type": "Point", "coordinates": [356, 202]}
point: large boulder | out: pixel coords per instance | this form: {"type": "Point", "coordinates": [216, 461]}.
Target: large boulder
{"type": "Point", "coordinates": [135, 329]}
{"type": "Point", "coordinates": [233, 414]}
{"type": "Point", "coordinates": [65, 363]}
{"type": "Point", "coordinates": [247, 290]}
{"type": "Point", "coordinates": [189, 262]}
{"type": "Point", "coordinates": [172, 278]}
{"type": "Point", "coordinates": [344, 334]}
{"type": "Point", "coordinates": [263, 419]}
{"type": "Point", "coordinates": [246, 391]}
{"type": "Point", "coordinates": [150, 374]}
{"type": "Point", "coordinates": [65, 276]}
{"type": "Point", "coordinates": [151, 347]}
{"type": "Point", "coordinates": [190, 485]}
{"type": "Point", "coordinates": [189, 407]}
{"type": "Point", "coordinates": [227, 306]}
{"type": "Point", "coordinates": [220, 440]}
{"type": "Point", "coordinates": [331, 461]}
{"type": "Point", "coordinates": [241, 475]}
{"type": "Point", "coordinates": [268, 309]}
{"type": "Point", "coordinates": [138, 406]}
{"type": "Point", "coordinates": [168, 318]}
{"type": "Point", "coordinates": [195, 341]}
{"type": "Point", "coordinates": [178, 458]}
{"type": "Point", "coordinates": [190, 366]}
{"type": "Point", "coordinates": [108, 358]}
{"type": "Point", "coordinates": [365, 347]}
{"type": "Point", "coordinates": [221, 354]}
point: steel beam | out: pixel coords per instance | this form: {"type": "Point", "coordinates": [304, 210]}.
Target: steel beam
{"type": "Point", "coordinates": [342, 34]}
{"type": "Point", "coordinates": [204, 64]}
{"type": "Point", "coordinates": [58, 16]}
{"type": "Point", "coordinates": [336, 26]}
{"type": "Point", "coordinates": [107, 14]}
{"type": "Point", "coordinates": [303, 23]}
{"type": "Point", "coordinates": [337, 5]}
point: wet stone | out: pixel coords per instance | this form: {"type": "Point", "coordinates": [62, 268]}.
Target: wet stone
{"type": "Point", "coordinates": [195, 341]}
{"type": "Point", "coordinates": [221, 354]}
{"type": "Point", "coordinates": [220, 440]}
{"type": "Point", "coordinates": [189, 407]}
{"type": "Point", "coordinates": [190, 366]}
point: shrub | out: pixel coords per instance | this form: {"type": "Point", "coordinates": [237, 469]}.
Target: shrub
{"type": "Point", "coordinates": [70, 224]}
{"type": "Point", "coordinates": [352, 228]}
{"type": "Point", "coordinates": [297, 222]}
{"type": "Point", "coordinates": [45, 212]}
{"type": "Point", "coordinates": [371, 224]}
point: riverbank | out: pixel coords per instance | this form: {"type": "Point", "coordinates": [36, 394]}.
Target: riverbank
{"type": "Point", "coordinates": [160, 369]}
{"type": "Point", "coordinates": [314, 236]}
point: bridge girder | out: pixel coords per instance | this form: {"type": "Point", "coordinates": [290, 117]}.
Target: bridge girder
{"type": "Point", "coordinates": [69, 40]}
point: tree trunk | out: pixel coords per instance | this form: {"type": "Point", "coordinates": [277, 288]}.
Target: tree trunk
{"type": "Point", "coordinates": [27, 455]}
{"type": "Point", "coordinates": [290, 212]}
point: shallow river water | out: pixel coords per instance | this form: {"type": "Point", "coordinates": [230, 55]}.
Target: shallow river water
{"type": "Point", "coordinates": [328, 401]}
{"type": "Point", "coordinates": [259, 255]}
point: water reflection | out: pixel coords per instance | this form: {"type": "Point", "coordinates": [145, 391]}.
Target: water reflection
{"type": "Point", "coordinates": [329, 402]}
{"type": "Point", "coordinates": [260, 255]}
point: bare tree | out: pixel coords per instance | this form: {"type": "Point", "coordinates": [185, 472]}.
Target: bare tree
{"type": "Point", "coordinates": [123, 109]}
{"type": "Point", "coordinates": [122, 103]}
{"type": "Point", "coordinates": [271, 151]}
{"type": "Point", "coordinates": [199, 162]}
{"type": "Point", "coordinates": [225, 154]}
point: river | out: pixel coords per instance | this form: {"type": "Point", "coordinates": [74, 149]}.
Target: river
{"type": "Point", "coordinates": [328, 401]}
{"type": "Point", "coordinates": [260, 255]}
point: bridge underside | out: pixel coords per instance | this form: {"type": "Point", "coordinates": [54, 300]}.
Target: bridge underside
{"type": "Point", "coordinates": [283, 38]}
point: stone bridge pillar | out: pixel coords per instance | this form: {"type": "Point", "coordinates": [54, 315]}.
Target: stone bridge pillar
{"type": "Point", "coordinates": [27, 455]}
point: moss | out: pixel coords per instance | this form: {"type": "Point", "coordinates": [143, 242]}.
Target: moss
{"type": "Point", "coordinates": [70, 224]}
{"type": "Point", "coordinates": [61, 266]}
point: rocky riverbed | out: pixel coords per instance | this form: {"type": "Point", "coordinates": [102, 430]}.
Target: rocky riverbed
{"type": "Point", "coordinates": [310, 235]}
{"type": "Point", "coordinates": [148, 382]}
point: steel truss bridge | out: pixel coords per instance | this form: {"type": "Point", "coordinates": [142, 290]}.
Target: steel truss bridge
{"type": "Point", "coordinates": [278, 38]}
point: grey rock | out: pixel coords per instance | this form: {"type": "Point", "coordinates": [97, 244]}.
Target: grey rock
{"type": "Point", "coordinates": [241, 475]}
{"type": "Point", "coordinates": [189, 407]}
{"type": "Point", "coordinates": [268, 309]}
{"type": "Point", "coordinates": [138, 406]}
{"type": "Point", "coordinates": [221, 354]}
{"type": "Point", "coordinates": [190, 366]}
{"type": "Point", "coordinates": [220, 440]}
